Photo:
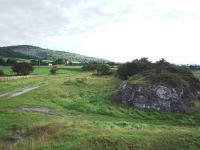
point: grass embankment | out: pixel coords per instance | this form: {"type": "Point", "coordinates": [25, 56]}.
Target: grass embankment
{"type": "Point", "coordinates": [86, 118]}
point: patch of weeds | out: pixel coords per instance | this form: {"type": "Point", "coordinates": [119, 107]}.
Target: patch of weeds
{"type": "Point", "coordinates": [81, 80]}
{"type": "Point", "coordinates": [68, 82]}
{"type": "Point", "coordinates": [137, 126]}
{"type": "Point", "coordinates": [122, 124]}
{"type": "Point", "coordinates": [44, 133]}
{"type": "Point", "coordinates": [76, 81]}
{"type": "Point", "coordinates": [107, 143]}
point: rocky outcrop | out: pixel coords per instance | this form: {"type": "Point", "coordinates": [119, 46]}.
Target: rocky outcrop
{"type": "Point", "coordinates": [156, 97]}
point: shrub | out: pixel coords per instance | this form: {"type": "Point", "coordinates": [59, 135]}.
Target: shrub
{"type": "Point", "coordinates": [22, 68]}
{"type": "Point", "coordinates": [161, 72]}
{"type": "Point", "coordinates": [103, 69]}
{"type": "Point", "coordinates": [131, 68]}
{"type": "Point", "coordinates": [53, 70]}
{"type": "Point", "coordinates": [2, 62]}
{"type": "Point", "coordinates": [161, 65]}
{"type": "Point", "coordinates": [172, 79]}
{"type": "Point", "coordinates": [90, 66]}
{"type": "Point", "coordinates": [11, 62]}
{"type": "Point", "coordinates": [1, 73]}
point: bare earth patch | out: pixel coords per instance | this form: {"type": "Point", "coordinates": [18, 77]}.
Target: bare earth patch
{"type": "Point", "coordinates": [37, 109]}
{"type": "Point", "coordinates": [19, 92]}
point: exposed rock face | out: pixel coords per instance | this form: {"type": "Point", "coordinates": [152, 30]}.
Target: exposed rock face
{"type": "Point", "coordinates": [156, 97]}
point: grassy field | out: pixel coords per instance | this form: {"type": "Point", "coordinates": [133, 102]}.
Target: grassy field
{"type": "Point", "coordinates": [42, 70]}
{"type": "Point", "coordinates": [84, 116]}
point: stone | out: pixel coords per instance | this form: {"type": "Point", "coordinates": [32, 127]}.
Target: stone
{"type": "Point", "coordinates": [155, 96]}
{"type": "Point", "coordinates": [163, 92]}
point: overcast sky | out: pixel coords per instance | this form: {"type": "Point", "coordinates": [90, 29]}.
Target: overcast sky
{"type": "Point", "coordinates": [118, 30]}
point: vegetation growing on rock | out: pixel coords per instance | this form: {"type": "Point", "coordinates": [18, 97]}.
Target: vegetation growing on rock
{"type": "Point", "coordinates": [148, 84]}
{"type": "Point", "coordinates": [161, 72]}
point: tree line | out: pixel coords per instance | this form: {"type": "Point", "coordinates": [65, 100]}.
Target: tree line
{"type": "Point", "coordinates": [34, 62]}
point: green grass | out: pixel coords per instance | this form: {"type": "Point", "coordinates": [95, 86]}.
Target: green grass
{"type": "Point", "coordinates": [43, 70]}
{"type": "Point", "coordinates": [86, 117]}
{"type": "Point", "coordinates": [197, 74]}
{"type": "Point", "coordinates": [6, 70]}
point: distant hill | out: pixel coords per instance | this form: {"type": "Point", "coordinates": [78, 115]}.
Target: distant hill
{"type": "Point", "coordinates": [33, 52]}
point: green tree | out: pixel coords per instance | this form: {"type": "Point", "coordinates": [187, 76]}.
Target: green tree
{"type": "Point", "coordinates": [131, 68]}
{"type": "Point", "coordinates": [22, 68]}
{"type": "Point", "coordinates": [161, 65]}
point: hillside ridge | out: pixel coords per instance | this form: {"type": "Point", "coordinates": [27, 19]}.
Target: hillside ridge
{"type": "Point", "coordinates": [35, 52]}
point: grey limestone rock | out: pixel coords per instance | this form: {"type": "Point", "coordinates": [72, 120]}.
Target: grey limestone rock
{"type": "Point", "coordinates": [158, 97]}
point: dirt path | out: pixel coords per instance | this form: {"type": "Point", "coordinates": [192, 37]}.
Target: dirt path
{"type": "Point", "coordinates": [19, 92]}
{"type": "Point", "coordinates": [37, 110]}
{"type": "Point", "coordinates": [15, 77]}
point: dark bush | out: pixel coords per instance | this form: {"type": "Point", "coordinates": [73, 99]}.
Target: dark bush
{"type": "Point", "coordinates": [22, 68]}
{"type": "Point", "coordinates": [172, 79]}
{"type": "Point", "coordinates": [11, 62]}
{"type": "Point", "coordinates": [161, 65]}
{"type": "Point", "coordinates": [53, 70]}
{"type": "Point", "coordinates": [1, 73]}
{"type": "Point", "coordinates": [90, 66]}
{"type": "Point", "coordinates": [103, 69]}
{"type": "Point", "coordinates": [131, 68]}
{"type": "Point", "coordinates": [161, 72]}
{"type": "Point", "coordinates": [2, 62]}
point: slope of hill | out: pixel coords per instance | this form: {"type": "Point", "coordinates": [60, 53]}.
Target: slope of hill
{"type": "Point", "coordinates": [74, 110]}
{"type": "Point", "coordinates": [30, 52]}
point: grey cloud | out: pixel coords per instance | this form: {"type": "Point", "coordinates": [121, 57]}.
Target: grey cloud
{"type": "Point", "coordinates": [24, 21]}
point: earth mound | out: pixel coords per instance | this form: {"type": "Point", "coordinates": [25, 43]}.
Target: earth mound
{"type": "Point", "coordinates": [171, 88]}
